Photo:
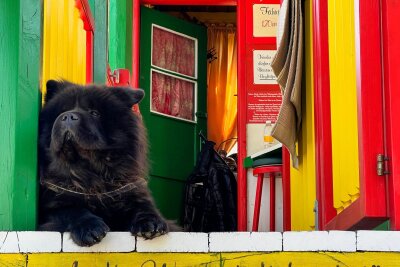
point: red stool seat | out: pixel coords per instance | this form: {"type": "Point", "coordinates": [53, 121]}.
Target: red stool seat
{"type": "Point", "coordinates": [259, 171]}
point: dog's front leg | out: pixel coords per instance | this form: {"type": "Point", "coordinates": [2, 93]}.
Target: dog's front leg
{"type": "Point", "coordinates": [86, 228]}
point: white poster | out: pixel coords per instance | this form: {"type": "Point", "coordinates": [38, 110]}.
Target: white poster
{"type": "Point", "coordinates": [263, 73]}
{"type": "Point", "coordinates": [265, 19]}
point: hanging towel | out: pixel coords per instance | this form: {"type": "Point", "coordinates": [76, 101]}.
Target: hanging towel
{"type": "Point", "coordinates": [287, 66]}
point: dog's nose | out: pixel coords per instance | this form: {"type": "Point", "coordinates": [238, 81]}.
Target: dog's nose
{"type": "Point", "coordinates": [70, 117]}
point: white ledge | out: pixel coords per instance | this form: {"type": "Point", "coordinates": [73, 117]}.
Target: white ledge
{"type": "Point", "coordinates": [340, 241]}
{"type": "Point", "coordinates": [245, 241]}
{"type": "Point", "coordinates": [112, 242]}
{"type": "Point", "coordinates": [174, 242]}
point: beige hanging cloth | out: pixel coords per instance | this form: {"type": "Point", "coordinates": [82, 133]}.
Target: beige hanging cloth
{"type": "Point", "coordinates": [287, 66]}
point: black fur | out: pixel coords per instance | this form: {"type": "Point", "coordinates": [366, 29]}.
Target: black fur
{"type": "Point", "coordinates": [93, 164]}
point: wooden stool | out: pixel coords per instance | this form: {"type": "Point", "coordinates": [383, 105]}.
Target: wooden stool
{"type": "Point", "coordinates": [260, 171]}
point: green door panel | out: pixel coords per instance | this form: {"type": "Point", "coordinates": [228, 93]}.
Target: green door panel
{"type": "Point", "coordinates": [168, 193]}
{"type": "Point", "coordinates": [173, 143]}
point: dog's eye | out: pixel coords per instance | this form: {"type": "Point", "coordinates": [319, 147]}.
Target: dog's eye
{"type": "Point", "coordinates": [94, 113]}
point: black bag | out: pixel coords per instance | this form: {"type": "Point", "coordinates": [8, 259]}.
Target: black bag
{"type": "Point", "coordinates": [210, 194]}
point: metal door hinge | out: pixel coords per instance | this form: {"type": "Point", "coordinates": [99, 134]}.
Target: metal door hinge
{"type": "Point", "coordinates": [380, 165]}
{"type": "Point", "coordinates": [316, 215]}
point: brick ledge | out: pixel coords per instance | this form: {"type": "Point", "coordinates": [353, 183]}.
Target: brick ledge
{"type": "Point", "coordinates": [335, 241]}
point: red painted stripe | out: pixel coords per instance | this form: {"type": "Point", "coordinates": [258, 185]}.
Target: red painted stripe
{"type": "Point", "coordinates": [89, 56]}
{"type": "Point", "coordinates": [322, 113]}
{"type": "Point", "coordinates": [257, 202]}
{"type": "Point", "coordinates": [135, 42]}
{"type": "Point", "coordinates": [85, 14]}
{"type": "Point", "coordinates": [88, 25]}
{"type": "Point", "coordinates": [391, 78]}
{"type": "Point", "coordinates": [287, 220]}
{"type": "Point", "coordinates": [241, 124]}
{"type": "Point", "coordinates": [370, 104]}
{"type": "Point", "coordinates": [272, 202]}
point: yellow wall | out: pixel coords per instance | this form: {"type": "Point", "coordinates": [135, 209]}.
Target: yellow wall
{"type": "Point", "coordinates": [333, 259]}
{"type": "Point", "coordinates": [343, 102]}
{"type": "Point", "coordinates": [303, 181]}
{"type": "Point", "coordinates": [64, 43]}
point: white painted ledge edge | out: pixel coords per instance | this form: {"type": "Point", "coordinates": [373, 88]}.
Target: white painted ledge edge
{"type": "Point", "coordinates": [340, 241]}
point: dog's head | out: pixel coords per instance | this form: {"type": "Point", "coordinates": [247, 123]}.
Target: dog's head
{"type": "Point", "coordinates": [88, 122]}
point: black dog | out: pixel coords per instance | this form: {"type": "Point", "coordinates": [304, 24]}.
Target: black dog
{"type": "Point", "coordinates": [93, 164]}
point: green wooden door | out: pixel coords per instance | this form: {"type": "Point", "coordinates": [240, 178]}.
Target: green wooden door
{"type": "Point", "coordinates": [173, 74]}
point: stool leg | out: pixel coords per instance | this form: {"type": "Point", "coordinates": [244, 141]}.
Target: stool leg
{"type": "Point", "coordinates": [257, 202]}
{"type": "Point", "coordinates": [272, 202]}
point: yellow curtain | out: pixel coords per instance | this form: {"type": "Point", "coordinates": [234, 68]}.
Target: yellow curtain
{"type": "Point", "coordinates": [222, 86]}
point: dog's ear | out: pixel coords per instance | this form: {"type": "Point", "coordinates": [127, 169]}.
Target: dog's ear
{"type": "Point", "coordinates": [128, 95]}
{"type": "Point", "coordinates": [53, 87]}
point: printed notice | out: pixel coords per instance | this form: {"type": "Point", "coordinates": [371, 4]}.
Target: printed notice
{"type": "Point", "coordinates": [263, 106]}
{"type": "Point", "coordinates": [263, 73]}
{"type": "Point", "coordinates": [265, 19]}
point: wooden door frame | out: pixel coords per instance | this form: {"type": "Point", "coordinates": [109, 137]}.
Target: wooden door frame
{"type": "Point", "coordinates": [242, 174]}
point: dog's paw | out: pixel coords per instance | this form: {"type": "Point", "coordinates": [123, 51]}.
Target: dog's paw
{"type": "Point", "coordinates": [149, 226]}
{"type": "Point", "coordinates": [89, 231]}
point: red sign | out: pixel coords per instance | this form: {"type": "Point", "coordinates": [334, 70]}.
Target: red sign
{"type": "Point", "coordinates": [263, 104]}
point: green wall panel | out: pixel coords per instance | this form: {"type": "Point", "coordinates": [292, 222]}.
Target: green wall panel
{"type": "Point", "coordinates": [100, 11]}
{"type": "Point", "coordinates": [19, 103]}
{"type": "Point", "coordinates": [120, 34]}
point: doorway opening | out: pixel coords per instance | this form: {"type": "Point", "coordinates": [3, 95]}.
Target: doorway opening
{"type": "Point", "coordinates": [220, 91]}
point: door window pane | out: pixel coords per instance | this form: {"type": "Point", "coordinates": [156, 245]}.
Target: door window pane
{"type": "Point", "coordinates": [173, 51]}
{"type": "Point", "coordinates": [173, 96]}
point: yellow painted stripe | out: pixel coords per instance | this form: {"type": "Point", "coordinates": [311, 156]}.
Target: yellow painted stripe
{"type": "Point", "coordinates": [255, 259]}
{"type": "Point", "coordinates": [343, 102]}
{"type": "Point", "coordinates": [14, 260]}
{"type": "Point", "coordinates": [64, 43]}
{"type": "Point", "coordinates": [302, 181]}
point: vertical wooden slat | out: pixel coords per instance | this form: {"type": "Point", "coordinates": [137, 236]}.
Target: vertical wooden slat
{"type": "Point", "coordinates": [89, 57]}
{"type": "Point", "coordinates": [100, 42]}
{"type": "Point", "coordinates": [391, 61]}
{"type": "Point", "coordinates": [64, 43]}
{"type": "Point", "coordinates": [135, 42]}
{"type": "Point", "coordinates": [19, 100]}
{"type": "Point", "coordinates": [369, 94]}
{"type": "Point", "coordinates": [287, 207]}
{"type": "Point", "coordinates": [302, 180]}
{"type": "Point", "coordinates": [343, 96]}
{"type": "Point", "coordinates": [322, 113]}
{"type": "Point", "coordinates": [242, 175]}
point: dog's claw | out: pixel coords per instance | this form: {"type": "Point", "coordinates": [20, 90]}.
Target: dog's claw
{"type": "Point", "coordinates": [149, 227]}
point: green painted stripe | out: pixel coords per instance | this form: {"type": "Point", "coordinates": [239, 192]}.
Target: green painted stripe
{"type": "Point", "coordinates": [20, 30]}
{"type": "Point", "coordinates": [120, 34]}
{"type": "Point", "coordinates": [100, 41]}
